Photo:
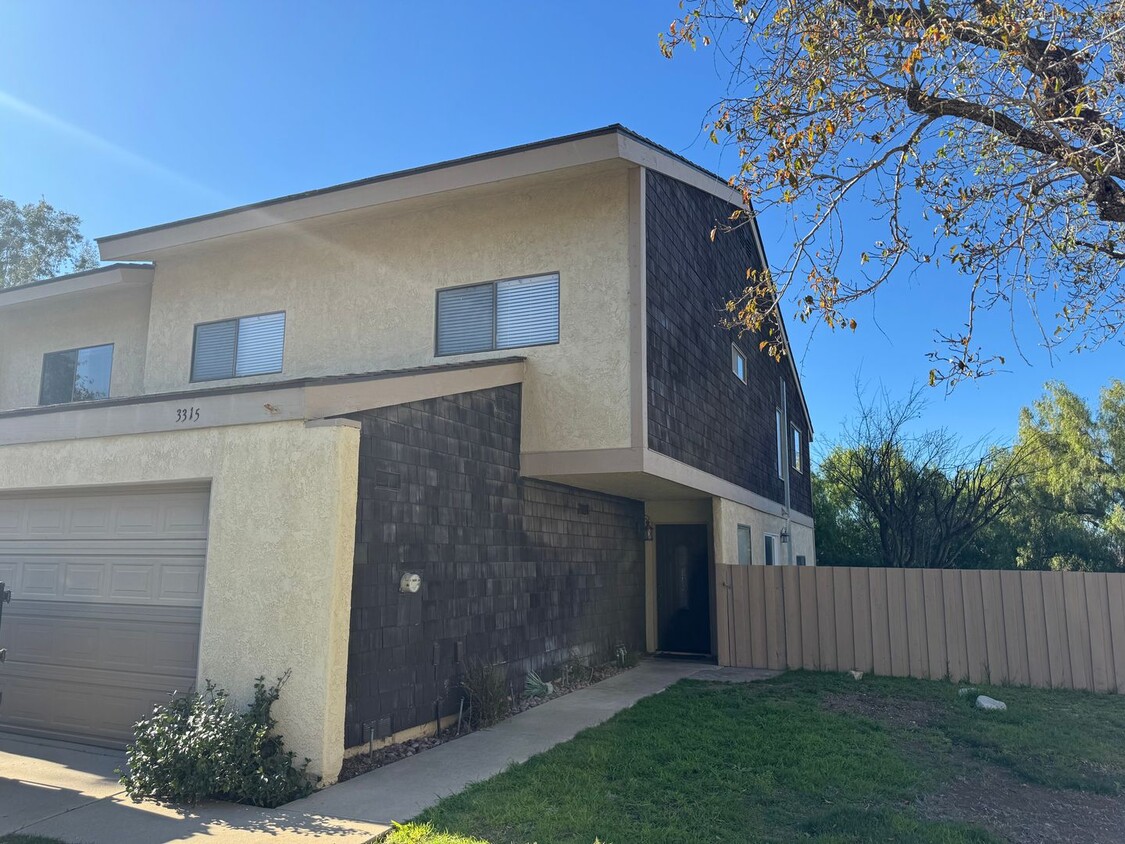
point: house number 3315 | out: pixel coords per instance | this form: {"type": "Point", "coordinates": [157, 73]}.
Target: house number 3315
{"type": "Point", "coordinates": [187, 414]}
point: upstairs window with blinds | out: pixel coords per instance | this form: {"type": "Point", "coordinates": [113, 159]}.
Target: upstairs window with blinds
{"type": "Point", "coordinates": [505, 314]}
{"type": "Point", "coordinates": [234, 348]}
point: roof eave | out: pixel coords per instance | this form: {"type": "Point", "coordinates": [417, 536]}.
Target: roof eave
{"type": "Point", "coordinates": [600, 145]}
{"type": "Point", "coordinates": [100, 278]}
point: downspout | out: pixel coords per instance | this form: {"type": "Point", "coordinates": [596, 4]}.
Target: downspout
{"type": "Point", "coordinates": [787, 469]}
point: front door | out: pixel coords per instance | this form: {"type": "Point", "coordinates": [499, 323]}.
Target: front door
{"type": "Point", "coordinates": [683, 594]}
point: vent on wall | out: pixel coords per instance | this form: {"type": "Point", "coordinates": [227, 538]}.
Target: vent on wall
{"type": "Point", "coordinates": [388, 480]}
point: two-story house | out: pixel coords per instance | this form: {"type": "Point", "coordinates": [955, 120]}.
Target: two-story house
{"type": "Point", "coordinates": [478, 411]}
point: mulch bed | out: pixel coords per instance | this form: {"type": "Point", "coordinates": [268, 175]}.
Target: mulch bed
{"type": "Point", "coordinates": [363, 763]}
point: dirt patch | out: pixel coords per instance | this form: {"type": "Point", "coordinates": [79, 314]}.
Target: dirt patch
{"type": "Point", "coordinates": [991, 797]}
{"type": "Point", "coordinates": [362, 763]}
{"type": "Point", "coordinates": [898, 712]}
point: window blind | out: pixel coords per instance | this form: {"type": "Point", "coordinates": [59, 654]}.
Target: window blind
{"type": "Point", "coordinates": [252, 345]}
{"type": "Point", "coordinates": [214, 351]}
{"type": "Point", "coordinates": [527, 312]}
{"type": "Point", "coordinates": [498, 315]}
{"type": "Point", "coordinates": [261, 340]}
{"type": "Point", "coordinates": [465, 319]}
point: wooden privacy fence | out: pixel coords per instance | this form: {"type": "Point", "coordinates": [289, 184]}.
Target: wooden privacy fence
{"type": "Point", "coordinates": [1047, 629]}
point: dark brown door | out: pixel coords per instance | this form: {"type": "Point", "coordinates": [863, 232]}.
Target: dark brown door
{"type": "Point", "coordinates": [683, 596]}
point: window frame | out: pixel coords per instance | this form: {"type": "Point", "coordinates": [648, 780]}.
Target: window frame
{"type": "Point", "coordinates": [779, 424]}
{"type": "Point", "coordinates": [736, 354]}
{"type": "Point", "coordinates": [770, 544]}
{"type": "Point", "coordinates": [796, 448]}
{"type": "Point", "coordinates": [493, 284]}
{"type": "Point", "coordinates": [72, 400]}
{"type": "Point", "coordinates": [749, 544]}
{"type": "Point", "coordinates": [238, 331]}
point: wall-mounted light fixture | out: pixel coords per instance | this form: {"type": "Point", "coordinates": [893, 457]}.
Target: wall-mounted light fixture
{"type": "Point", "coordinates": [648, 530]}
{"type": "Point", "coordinates": [784, 536]}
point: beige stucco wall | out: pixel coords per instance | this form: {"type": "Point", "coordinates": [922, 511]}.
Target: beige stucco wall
{"type": "Point", "coordinates": [279, 552]}
{"type": "Point", "coordinates": [91, 318]}
{"type": "Point", "coordinates": [728, 515]}
{"type": "Point", "coordinates": [359, 295]}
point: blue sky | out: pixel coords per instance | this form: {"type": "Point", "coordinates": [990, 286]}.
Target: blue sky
{"type": "Point", "coordinates": [135, 113]}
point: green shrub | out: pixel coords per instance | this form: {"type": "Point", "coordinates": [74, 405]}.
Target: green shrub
{"type": "Point", "coordinates": [486, 686]}
{"type": "Point", "coordinates": [197, 747]}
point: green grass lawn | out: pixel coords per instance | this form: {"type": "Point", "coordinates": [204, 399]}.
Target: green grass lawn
{"type": "Point", "coordinates": [812, 757]}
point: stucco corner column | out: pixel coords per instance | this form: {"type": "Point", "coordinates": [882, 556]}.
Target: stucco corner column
{"type": "Point", "coordinates": [279, 578]}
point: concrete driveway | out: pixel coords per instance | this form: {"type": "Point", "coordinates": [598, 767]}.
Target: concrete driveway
{"type": "Point", "coordinates": [40, 780]}
{"type": "Point", "coordinates": [70, 792]}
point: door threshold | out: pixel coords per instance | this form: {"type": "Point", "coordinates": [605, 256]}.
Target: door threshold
{"type": "Point", "coordinates": [686, 657]}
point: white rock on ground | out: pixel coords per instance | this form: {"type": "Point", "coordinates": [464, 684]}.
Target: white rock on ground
{"type": "Point", "coordinates": [990, 704]}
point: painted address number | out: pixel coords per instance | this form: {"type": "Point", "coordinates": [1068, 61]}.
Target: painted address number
{"type": "Point", "coordinates": [187, 414]}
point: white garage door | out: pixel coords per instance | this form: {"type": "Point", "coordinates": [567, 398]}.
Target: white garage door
{"type": "Point", "coordinates": [107, 590]}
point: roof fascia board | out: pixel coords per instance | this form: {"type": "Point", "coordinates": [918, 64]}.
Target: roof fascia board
{"type": "Point", "coordinates": [117, 276]}
{"type": "Point", "coordinates": [425, 182]}
{"type": "Point", "coordinates": [281, 402]}
{"type": "Point", "coordinates": [639, 152]}
{"type": "Point", "coordinates": [784, 333]}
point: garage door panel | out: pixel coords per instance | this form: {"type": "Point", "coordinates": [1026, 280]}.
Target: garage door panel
{"type": "Point", "coordinates": [181, 584]}
{"type": "Point", "coordinates": [78, 708]}
{"type": "Point", "coordinates": [46, 520]}
{"type": "Point", "coordinates": [107, 593]}
{"type": "Point", "coordinates": [101, 515]}
{"type": "Point", "coordinates": [39, 581]}
{"type": "Point", "coordinates": [9, 519]}
{"type": "Point", "coordinates": [131, 581]}
{"type": "Point", "coordinates": [71, 636]}
{"type": "Point", "coordinates": [185, 519]}
{"type": "Point", "coordinates": [173, 578]}
{"type": "Point", "coordinates": [83, 580]}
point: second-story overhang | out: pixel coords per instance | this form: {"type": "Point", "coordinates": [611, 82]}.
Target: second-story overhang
{"type": "Point", "coordinates": [601, 147]}
{"type": "Point", "coordinates": [114, 276]}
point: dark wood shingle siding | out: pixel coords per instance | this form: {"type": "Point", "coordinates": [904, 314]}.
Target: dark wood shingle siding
{"type": "Point", "coordinates": [700, 413]}
{"type": "Point", "coordinates": [519, 572]}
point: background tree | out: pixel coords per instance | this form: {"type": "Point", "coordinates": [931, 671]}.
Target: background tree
{"type": "Point", "coordinates": [1074, 502]}
{"type": "Point", "coordinates": [913, 499]}
{"type": "Point", "coordinates": [844, 534]}
{"type": "Point", "coordinates": [986, 135]}
{"type": "Point", "coordinates": [39, 241]}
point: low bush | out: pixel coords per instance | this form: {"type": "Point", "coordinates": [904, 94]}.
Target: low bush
{"type": "Point", "coordinates": [486, 687]}
{"type": "Point", "coordinates": [198, 747]}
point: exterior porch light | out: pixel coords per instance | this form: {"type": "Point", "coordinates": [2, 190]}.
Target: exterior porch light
{"type": "Point", "coordinates": [784, 536]}
{"type": "Point", "coordinates": [648, 530]}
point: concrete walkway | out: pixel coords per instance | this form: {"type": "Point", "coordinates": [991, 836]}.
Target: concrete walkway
{"type": "Point", "coordinates": [62, 792]}
{"type": "Point", "coordinates": [400, 791]}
